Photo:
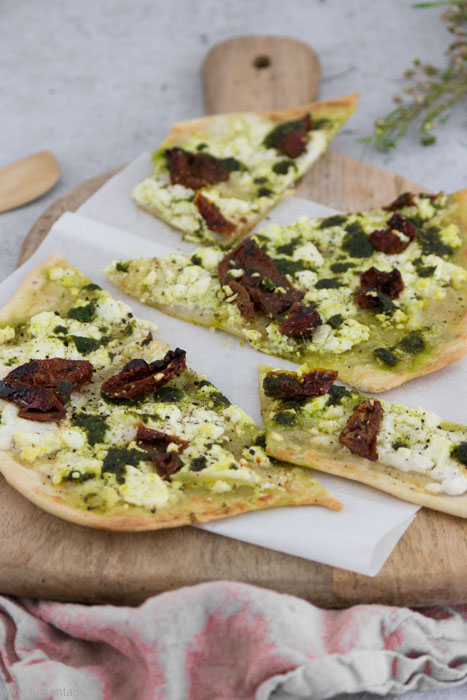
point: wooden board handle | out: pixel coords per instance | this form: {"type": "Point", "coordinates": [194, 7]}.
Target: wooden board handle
{"type": "Point", "coordinates": [259, 72]}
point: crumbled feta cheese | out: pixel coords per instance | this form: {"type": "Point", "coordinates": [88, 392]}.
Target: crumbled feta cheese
{"type": "Point", "coordinates": [6, 333]}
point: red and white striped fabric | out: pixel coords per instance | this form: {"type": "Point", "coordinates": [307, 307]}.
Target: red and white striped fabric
{"type": "Point", "coordinates": [227, 641]}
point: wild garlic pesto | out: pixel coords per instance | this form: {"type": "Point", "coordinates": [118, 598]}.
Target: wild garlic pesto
{"type": "Point", "coordinates": [259, 175]}
{"type": "Point", "coordinates": [409, 440]}
{"type": "Point", "coordinates": [92, 455]}
{"type": "Point", "coordinates": [324, 259]}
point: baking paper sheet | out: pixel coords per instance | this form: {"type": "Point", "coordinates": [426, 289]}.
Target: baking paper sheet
{"type": "Point", "coordinates": [361, 537]}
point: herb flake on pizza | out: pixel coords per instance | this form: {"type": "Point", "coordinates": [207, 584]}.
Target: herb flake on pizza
{"type": "Point", "coordinates": [102, 425]}
{"type": "Point", "coordinates": [214, 178]}
{"type": "Point", "coordinates": [381, 296]}
{"type": "Point", "coordinates": [410, 453]}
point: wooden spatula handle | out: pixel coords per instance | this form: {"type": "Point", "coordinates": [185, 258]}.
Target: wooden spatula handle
{"type": "Point", "coordinates": [259, 72]}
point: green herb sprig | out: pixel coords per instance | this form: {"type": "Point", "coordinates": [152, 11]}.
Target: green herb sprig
{"type": "Point", "coordinates": [431, 91]}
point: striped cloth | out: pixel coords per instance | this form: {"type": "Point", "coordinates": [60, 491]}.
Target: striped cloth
{"type": "Point", "coordinates": [226, 641]}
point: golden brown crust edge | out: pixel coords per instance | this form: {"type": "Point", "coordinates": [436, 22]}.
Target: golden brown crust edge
{"type": "Point", "coordinates": [32, 486]}
{"type": "Point", "coordinates": [339, 106]}
{"type": "Point", "coordinates": [400, 487]}
{"type": "Point", "coordinates": [33, 295]}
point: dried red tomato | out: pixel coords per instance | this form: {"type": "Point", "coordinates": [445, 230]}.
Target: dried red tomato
{"type": "Point", "coordinates": [400, 223]}
{"type": "Point", "coordinates": [387, 242]}
{"type": "Point", "coordinates": [40, 387]}
{"type": "Point", "coordinates": [290, 138]}
{"type": "Point", "coordinates": [403, 200]}
{"type": "Point", "coordinates": [407, 200]}
{"type": "Point", "coordinates": [35, 402]}
{"type": "Point", "coordinates": [267, 289]}
{"type": "Point", "coordinates": [195, 170]}
{"type": "Point", "coordinates": [301, 321]}
{"type": "Point", "coordinates": [60, 375]}
{"type": "Point", "coordinates": [378, 285]}
{"type": "Point", "coordinates": [139, 377]}
{"type": "Point", "coordinates": [212, 215]}
{"type": "Point", "coordinates": [283, 385]}
{"type": "Point", "coordinates": [244, 302]}
{"type": "Point", "coordinates": [156, 443]}
{"type": "Point", "coordinates": [148, 438]}
{"type": "Point", "coordinates": [361, 431]}
{"type": "Point", "coordinates": [389, 283]}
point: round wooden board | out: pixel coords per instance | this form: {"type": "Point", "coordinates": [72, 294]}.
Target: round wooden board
{"type": "Point", "coordinates": [44, 557]}
{"type": "Point", "coordinates": [70, 201]}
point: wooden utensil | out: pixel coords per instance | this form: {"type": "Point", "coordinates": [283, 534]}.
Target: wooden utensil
{"type": "Point", "coordinates": [45, 557]}
{"type": "Point", "coordinates": [27, 179]}
{"type": "Point", "coordinates": [259, 72]}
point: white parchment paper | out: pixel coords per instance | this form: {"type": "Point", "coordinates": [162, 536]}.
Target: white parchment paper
{"type": "Point", "coordinates": [361, 537]}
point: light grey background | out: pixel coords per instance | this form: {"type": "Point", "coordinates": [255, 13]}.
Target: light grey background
{"type": "Point", "coordinates": [99, 82]}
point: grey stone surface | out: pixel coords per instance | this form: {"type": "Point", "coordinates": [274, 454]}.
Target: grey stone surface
{"type": "Point", "coordinates": [99, 82]}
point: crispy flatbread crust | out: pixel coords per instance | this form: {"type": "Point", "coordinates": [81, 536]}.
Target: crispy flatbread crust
{"type": "Point", "coordinates": [33, 485]}
{"type": "Point", "coordinates": [38, 293]}
{"type": "Point", "coordinates": [341, 107]}
{"type": "Point", "coordinates": [327, 109]}
{"type": "Point", "coordinates": [292, 445]}
{"type": "Point", "coordinates": [364, 377]}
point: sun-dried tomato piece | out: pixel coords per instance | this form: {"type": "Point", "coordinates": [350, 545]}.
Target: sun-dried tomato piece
{"type": "Point", "coordinates": [195, 170]}
{"type": "Point", "coordinates": [267, 289]}
{"type": "Point", "coordinates": [301, 321]}
{"type": "Point", "coordinates": [389, 283]}
{"type": "Point", "coordinates": [283, 385]}
{"type": "Point", "coordinates": [60, 375]}
{"type": "Point", "coordinates": [139, 377]}
{"type": "Point", "coordinates": [156, 443]}
{"type": "Point", "coordinates": [361, 431]}
{"type": "Point", "coordinates": [148, 438]}
{"type": "Point", "coordinates": [274, 303]}
{"type": "Point", "coordinates": [40, 387]}
{"type": "Point", "coordinates": [35, 402]}
{"type": "Point", "coordinates": [294, 144]}
{"type": "Point", "coordinates": [290, 138]}
{"type": "Point", "coordinates": [166, 464]}
{"type": "Point", "coordinates": [244, 302]}
{"type": "Point", "coordinates": [213, 216]}
{"type": "Point", "coordinates": [387, 242]}
{"type": "Point", "coordinates": [400, 223]}
{"type": "Point", "coordinates": [376, 283]}
{"type": "Point", "coordinates": [406, 199]}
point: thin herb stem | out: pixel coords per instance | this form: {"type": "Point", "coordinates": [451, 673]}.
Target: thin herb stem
{"type": "Point", "coordinates": [432, 91]}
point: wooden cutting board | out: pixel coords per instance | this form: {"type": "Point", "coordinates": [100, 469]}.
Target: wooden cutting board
{"type": "Point", "coordinates": [44, 557]}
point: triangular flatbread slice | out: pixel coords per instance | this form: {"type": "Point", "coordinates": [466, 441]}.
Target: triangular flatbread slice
{"type": "Point", "coordinates": [410, 453]}
{"type": "Point", "coordinates": [324, 291]}
{"type": "Point", "coordinates": [214, 178]}
{"type": "Point", "coordinates": [149, 447]}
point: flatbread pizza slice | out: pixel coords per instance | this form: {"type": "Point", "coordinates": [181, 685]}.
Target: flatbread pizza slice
{"type": "Point", "coordinates": [214, 178]}
{"type": "Point", "coordinates": [380, 296]}
{"type": "Point", "coordinates": [103, 425]}
{"type": "Point", "coordinates": [410, 453]}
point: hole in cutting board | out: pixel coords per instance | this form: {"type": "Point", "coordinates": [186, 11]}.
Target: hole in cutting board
{"type": "Point", "coordinates": [262, 61]}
